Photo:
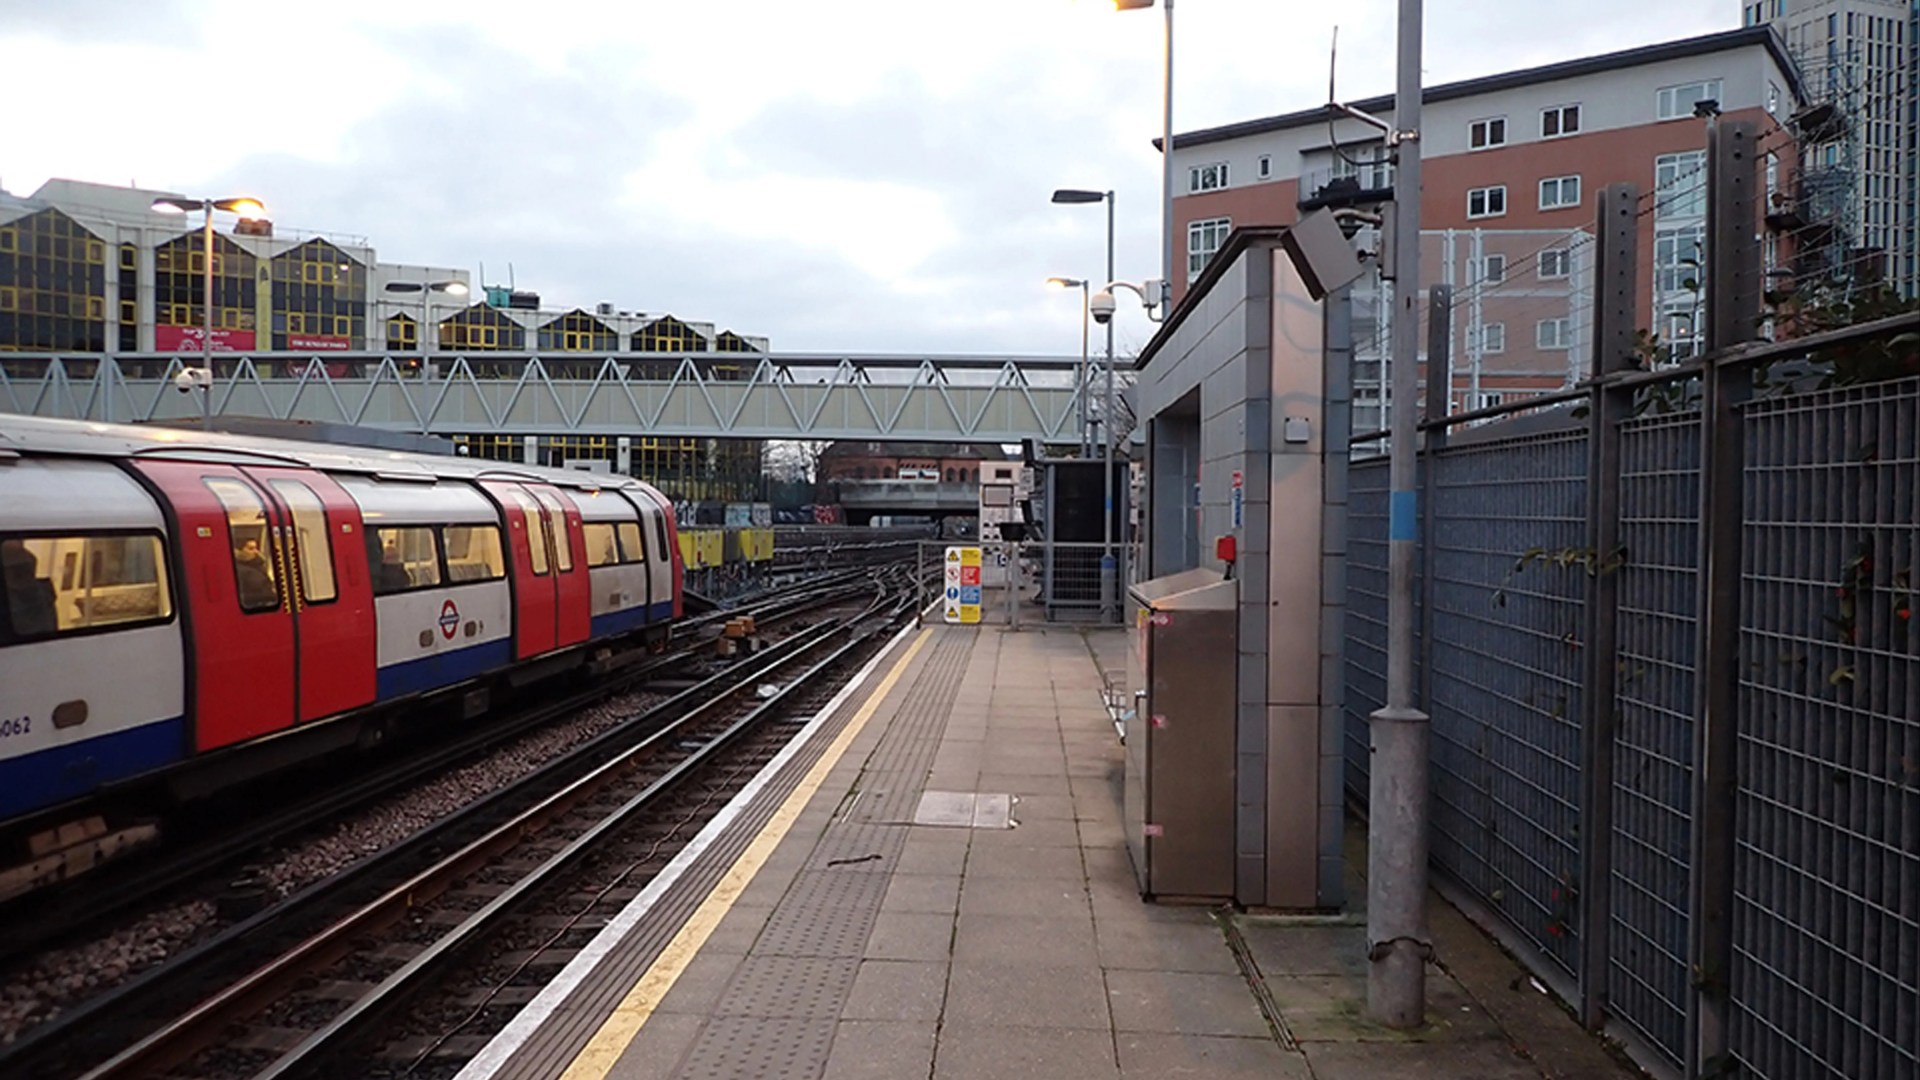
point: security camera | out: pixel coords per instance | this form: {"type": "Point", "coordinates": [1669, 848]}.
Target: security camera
{"type": "Point", "coordinates": [1102, 306]}
{"type": "Point", "coordinates": [184, 382]}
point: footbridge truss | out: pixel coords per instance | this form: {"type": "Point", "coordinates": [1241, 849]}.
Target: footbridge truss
{"type": "Point", "coordinates": [749, 396]}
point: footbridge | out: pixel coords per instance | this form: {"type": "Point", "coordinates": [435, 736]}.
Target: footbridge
{"type": "Point", "coordinates": [810, 396]}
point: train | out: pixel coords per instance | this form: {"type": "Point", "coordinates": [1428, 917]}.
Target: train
{"type": "Point", "coordinates": [184, 610]}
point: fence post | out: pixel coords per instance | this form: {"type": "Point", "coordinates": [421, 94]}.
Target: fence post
{"type": "Point", "coordinates": [1733, 311]}
{"type": "Point", "coordinates": [1439, 403]}
{"type": "Point", "coordinates": [1616, 303]}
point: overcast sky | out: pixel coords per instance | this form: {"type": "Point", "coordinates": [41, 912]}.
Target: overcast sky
{"type": "Point", "coordinates": [844, 175]}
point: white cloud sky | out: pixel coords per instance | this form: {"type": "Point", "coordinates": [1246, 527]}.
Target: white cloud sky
{"type": "Point", "coordinates": [858, 175]}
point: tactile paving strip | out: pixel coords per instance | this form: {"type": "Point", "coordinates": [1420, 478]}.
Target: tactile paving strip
{"type": "Point", "coordinates": [807, 955]}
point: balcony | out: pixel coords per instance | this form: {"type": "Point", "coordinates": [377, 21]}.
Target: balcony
{"type": "Point", "coordinates": [1368, 185]}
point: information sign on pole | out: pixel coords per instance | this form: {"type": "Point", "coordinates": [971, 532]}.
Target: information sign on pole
{"type": "Point", "coordinates": [960, 599]}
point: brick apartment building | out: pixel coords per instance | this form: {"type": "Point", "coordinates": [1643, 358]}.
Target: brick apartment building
{"type": "Point", "coordinates": [1511, 166]}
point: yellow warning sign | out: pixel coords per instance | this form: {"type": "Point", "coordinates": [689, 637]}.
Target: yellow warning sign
{"type": "Point", "coordinates": [961, 599]}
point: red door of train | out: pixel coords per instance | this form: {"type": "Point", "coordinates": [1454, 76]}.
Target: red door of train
{"type": "Point", "coordinates": [233, 551]}
{"type": "Point", "coordinates": [328, 588]}
{"type": "Point", "coordinates": [530, 567]}
{"type": "Point", "coordinates": [575, 596]}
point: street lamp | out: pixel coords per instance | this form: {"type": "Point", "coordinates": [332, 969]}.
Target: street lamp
{"type": "Point", "coordinates": [1080, 374]}
{"type": "Point", "coordinates": [246, 208]}
{"type": "Point", "coordinates": [1166, 154]}
{"type": "Point", "coordinates": [1108, 565]}
{"type": "Point", "coordinates": [426, 289]}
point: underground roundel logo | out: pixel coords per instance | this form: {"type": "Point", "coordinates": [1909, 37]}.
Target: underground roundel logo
{"type": "Point", "coordinates": [449, 620]}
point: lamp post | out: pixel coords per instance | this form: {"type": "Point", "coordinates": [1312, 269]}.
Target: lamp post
{"type": "Point", "coordinates": [1081, 382]}
{"type": "Point", "coordinates": [245, 207]}
{"type": "Point", "coordinates": [426, 289]}
{"type": "Point", "coordinates": [1108, 564]}
{"type": "Point", "coordinates": [1166, 155]}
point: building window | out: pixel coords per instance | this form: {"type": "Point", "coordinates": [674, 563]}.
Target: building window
{"type": "Point", "coordinates": [1773, 99]}
{"type": "Point", "coordinates": [1493, 269]}
{"type": "Point", "coordinates": [1553, 334]}
{"type": "Point", "coordinates": [1559, 192]}
{"type": "Point", "coordinates": [321, 292]}
{"type": "Point", "coordinates": [668, 334]}
{"type": "Point", "coordinates": [1208, 177]}
{"type": "Point", "coordinates": [1493, 337]}
{"type": "Point", "coordinates": [1487, 202]}
{"type": "Point", "coordinates": [1555, 263]}
{"type": "Point", "coordinates": [1484, 133]}
{"type": "Point", "coordinates": [1559, 120]}
{"type": "Point", "coordinates": [1487, 399]}
{"type": "Point", "coordinates": [1204, 238]}
{"type": "Point", "coordinates": [1677, 102]}
{"type": "Point", "coordinates": [1680, 185]}
{"type": "Point", "coordinates": [1265, 166]}
{"type": "Point", "coordinates": [1676, 259]}
{"type": "Point", "coordinates": [55, 277]}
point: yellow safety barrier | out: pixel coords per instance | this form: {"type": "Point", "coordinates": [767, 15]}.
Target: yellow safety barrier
{"type": "Point", "coordinates": [701, 548]}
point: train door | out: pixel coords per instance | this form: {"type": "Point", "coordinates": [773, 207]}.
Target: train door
{"type": "Point", "coordinates": [530, 568]}
{"type": "Point", "coordinates": [241, 638]}
{"type": "Point", "coordinates": [329, 589]}
{"type": "Point", "coordinates": [574, 593]}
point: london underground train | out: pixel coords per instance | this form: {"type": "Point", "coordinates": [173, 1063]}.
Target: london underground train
{"type": "Point", "coordinates": [181, 611]}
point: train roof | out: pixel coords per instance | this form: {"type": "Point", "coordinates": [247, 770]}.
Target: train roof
{"type": "Point", "coordinates": [39, 435]}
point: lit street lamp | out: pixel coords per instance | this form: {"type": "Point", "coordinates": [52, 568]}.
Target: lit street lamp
{"type": "Point", "coordinates": [244, 207]}
{"type": "Point", "coordinates": [426, 289]}
{"type": "Point", "coordinates": [1166, 157]}
{"type": "Point", "coordinates": [1081, 382]}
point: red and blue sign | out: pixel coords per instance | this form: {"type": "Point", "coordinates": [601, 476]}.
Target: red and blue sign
{"type": "Point", "coordinates": [449, 620]}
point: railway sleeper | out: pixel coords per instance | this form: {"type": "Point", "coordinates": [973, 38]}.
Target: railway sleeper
{"type": "Point", "coordinates": [69, 850]}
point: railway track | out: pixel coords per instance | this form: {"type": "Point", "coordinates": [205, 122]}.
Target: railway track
{"type": "Point", "coordinates": [336, 973]}
{"type": "Point", "coordinates": [63, 909]}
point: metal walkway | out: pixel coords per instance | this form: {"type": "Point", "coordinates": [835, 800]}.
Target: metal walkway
{"type": "Point", "coordinates": [753, 396]}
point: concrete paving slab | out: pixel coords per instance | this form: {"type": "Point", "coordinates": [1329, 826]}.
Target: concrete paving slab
{"type": "Point", "coordinates": [1043, 808]}
{"type": "Point", "coordinates": [1045, 997]}
{"type": "Point", "coordinates": [1333, 1009]}
{"type": "Point", "coordinates": [1481, 1059]}
{"type": "Point", "coordinates": [911, 935]}
{"type": "Point", "coordinates": [880, 1050]}
{"type": "Point", "coordinates": [1154, 1056]}
{"type": "Point", "coordinates": [935, 893]}
{"type": "Point", "coordinates": [1184, 1002]}
{"type": "Point", "coordinates": [897, 990]}
{"type": "Point", "coordinates": [1024, 861]}
{"type": "Point", "coordinates": [655, 1053]}
{"type": "Point", "coordinates": [985, 1052]}
{"type": "Point", "coordinates": [982, 941]}
{"type": "Point", "coordinates": [1002, 896]}
{"type": "Point", "coordinates": [1280, 948]}
{"type": "Point", "coordinates": [699, 987]}
{"type": "Point", "coordinates": [918, 857]}
{"type": "Point", "coordinates": [1200, 947]}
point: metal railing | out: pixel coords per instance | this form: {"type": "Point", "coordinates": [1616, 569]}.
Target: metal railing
{"type": "Point", "coordinates": [1027, 583]}
{"type": "Point", "coordinates": [1581, 819]}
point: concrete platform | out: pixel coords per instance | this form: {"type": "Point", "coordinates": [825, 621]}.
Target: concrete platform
{"type": "Point", "coordinates": [936, 885]}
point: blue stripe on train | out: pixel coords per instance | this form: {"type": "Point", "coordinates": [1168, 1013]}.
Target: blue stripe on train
{"type": "Point", "coordinates": [620, 622]}
{"type": "Point", "coordinates": [58, 773]}
{"type": "Point", "coordinates": [441, 669]}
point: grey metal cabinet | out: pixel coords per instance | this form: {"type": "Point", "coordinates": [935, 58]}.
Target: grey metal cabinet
{"type": "Point", "coordinates": [1178, 791]}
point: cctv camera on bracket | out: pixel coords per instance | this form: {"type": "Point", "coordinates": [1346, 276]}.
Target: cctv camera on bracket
{"type": "Point", "coordinates": [1102, 305]}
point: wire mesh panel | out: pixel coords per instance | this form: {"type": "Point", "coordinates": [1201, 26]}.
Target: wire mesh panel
{"type": "Point", "coordinates": [1826, 977]}
{"type": "Point", "coordinates": [1508, 596]}
{"type": "Point", "coordinates": [1366, 652]}
{"type": "Point", "coordinates": [1653, 747]}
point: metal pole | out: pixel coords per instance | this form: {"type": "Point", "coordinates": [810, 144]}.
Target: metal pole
{"type": "Point", "coordinates": [1109, 566]}
{"type": "Point", "coordinates": [206, 317]}
{"type": "Point", "coordinates": [1166, 176]}
{"type": "Point", "coordinates": [1084, 376]}
{"type": "Point", "coordinates": [1397, 945]}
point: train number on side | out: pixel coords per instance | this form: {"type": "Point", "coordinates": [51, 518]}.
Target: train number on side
{"type": "Point", "coordinates": [15, 725]}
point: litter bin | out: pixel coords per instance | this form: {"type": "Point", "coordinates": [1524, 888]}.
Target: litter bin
{"type": "Point", "coordinates": [1178, 791]}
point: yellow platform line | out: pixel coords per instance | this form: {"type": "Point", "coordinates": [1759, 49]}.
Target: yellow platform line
{"type": "Point", "coordinates": [602, 1051]}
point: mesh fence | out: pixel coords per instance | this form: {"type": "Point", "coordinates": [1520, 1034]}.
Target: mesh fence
{"type": "Point", "coordinates": [1826, 978]}
{"type": "Point", "coordinates": [1653, 748]}
{"type": "Point", "coordinates": [1505, 680]}
{"type": "Point", "coordinates": [1366, 652]}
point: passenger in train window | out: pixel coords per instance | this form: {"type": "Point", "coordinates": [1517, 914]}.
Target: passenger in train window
{"type": "Point", "coordinates": [257, 592]}
{"type": "Point", "coordinates": [391, 577]}
{"type": "Point", "coordinates": [30, 605]}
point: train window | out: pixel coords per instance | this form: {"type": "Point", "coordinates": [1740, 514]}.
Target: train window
{"type": "Point", "coordinates": [632, 548]}
{"type": "Point", "coordinates": [404, 558]}
{"type": "Point", "coordinates": [473, 553]}
{"type": "Point", "coordinates": [602, 549]}
{"type": "Point", "coordinates": [536, 531]}
{"type": "Point", "coordinates": [562, 545]}
{"type": "Point", "coordinates": [252, 542]}
{"type": "Point", "coordinates": [660, 527]}
{"type": "Point", "coordinates": [104, 581]}
{"type": "Point", "coordinates": [311, 545]}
